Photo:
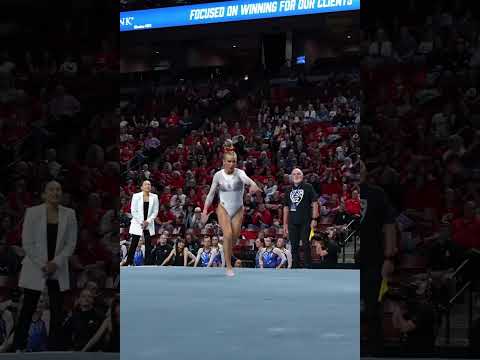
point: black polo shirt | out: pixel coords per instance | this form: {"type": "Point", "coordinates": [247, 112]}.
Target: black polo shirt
{"type": "Point", "coordinates": [299, 201]}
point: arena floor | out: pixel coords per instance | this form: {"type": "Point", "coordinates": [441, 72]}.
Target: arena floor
{"type": "Point", "coordinates": [190, 313]}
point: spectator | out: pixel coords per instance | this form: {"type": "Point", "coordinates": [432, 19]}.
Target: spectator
{"type": "Point", "coordinates": [84, 322]}
{"type": "Point", "coordinates": [161, 251]}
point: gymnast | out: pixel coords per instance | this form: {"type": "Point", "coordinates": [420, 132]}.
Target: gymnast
{"type": "Point", "coordinates": [230, 183]}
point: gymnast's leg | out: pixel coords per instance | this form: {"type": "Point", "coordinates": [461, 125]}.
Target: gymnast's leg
{"type": "Point", "coordinates": [237, 220]}
{"type": "Point", "coordinates": [226, 225]}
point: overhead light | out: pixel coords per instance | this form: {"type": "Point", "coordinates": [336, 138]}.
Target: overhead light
{"type": "Point", "coordinates": [349, 36]}
{"type": "Point", "coordinates": [245, 77]}
{"type": "Point", "coordinates": [234, 46]}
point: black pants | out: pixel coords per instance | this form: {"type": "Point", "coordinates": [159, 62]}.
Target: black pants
{"type": "Point", "coordinates": [134, 244]}
{"type": "Point", "coordinates": [30, 302]}
{"type": "Point", "coordinates": [370, 281]}
{"type": "Point", "coordinates": [295, 234]}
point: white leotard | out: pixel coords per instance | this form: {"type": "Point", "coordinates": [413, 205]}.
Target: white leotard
{"type": "Point", "coordinates": [231, 188]}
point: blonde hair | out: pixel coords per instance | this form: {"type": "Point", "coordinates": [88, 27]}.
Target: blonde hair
{"type": "Point", "coordinates": [228, 149]}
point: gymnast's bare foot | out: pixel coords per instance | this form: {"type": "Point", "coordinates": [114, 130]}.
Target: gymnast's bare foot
{"type": "Point", "coordinates": [230, 272]}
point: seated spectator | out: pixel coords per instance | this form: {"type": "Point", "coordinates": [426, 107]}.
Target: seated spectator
{"type": "Point", "coordinates": [280, 244]}
{"type": "Point", "coordinates": [326, 249]}
{"type": "Point", "coordinates": [205, 253]}
{"type": "Point", "coordinates": [107, 337]}
{"type": "Point", "coordinates": [160, 251]}
{"type": "Point", "coordinates": [352, 205]}
{"type": "Point", "coordinates": [466, 228]}
{"type": "Point", "coordinates": [192, 243]}
{"type": "Point", "coordinates": [262, 217]}
{"type": "Point", "coordinates": [63, 105]}
{"type": "Point", "coordinates": [9, 262]}
{"type": "Point", "coordinates": [269, 189]}
{"type": "Point", "coordinates": [84, 322]}
{"type": "Point", "coordinates": [139, 255]}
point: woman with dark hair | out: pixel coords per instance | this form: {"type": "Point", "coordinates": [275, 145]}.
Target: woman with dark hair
{"type": "Point", "coordinates": [204, 253]}
{"type": "Point", "coordinates": [280, 245]}
{"type": "Point", "coordinates": [270, 257]}
{"type": "Point", "coordinates": [259, 246]}
{"type": "Point", "coordinates": [49, 238]}
{"type": "Point", "coordinates": [144, 210]}
{"type": "Point", "coordinates": [230, 183]}
{"type": "Point", "coordinates": [180, 255]}
{"type": "Point", "coordinates": [218, 257]}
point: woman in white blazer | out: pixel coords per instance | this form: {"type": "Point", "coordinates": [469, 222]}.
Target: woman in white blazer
{"type": "Point", "coordinates": [49, 237]}
{"type": "Point", "coordinates": [144, 209]}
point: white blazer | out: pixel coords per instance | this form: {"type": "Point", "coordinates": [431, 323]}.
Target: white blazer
{"type": "Point", "coordinates": [136, 209]}
{"type": "Point", "coordinates": [34, 240]}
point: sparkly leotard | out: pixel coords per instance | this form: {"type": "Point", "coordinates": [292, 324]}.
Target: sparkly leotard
{"type": "Point", "coordinates": [230, 188]}
{"type": "Point", "coordinates": [205, 257]}
{"type": "Point", "coordinates": [270, 259]}
{"type": "Point", "coordinates": [279, 259]}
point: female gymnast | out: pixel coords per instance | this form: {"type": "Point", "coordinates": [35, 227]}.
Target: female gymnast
{"type": "Point", "coordinates": [218, 256]}
{"type": "Point", "coordinates": [259, 246]}
{"type": "Point", "coordinates": [230, 183]}
{"type": "Point", "coordinates": [281, 246]}
{"type": "Point", "coordinates": [204, 253]}
{"type": "Point", "coordinates": [269, 256]}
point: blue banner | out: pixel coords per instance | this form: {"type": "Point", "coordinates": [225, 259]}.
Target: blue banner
{"type": "Point", "coordinates": [228, 11]}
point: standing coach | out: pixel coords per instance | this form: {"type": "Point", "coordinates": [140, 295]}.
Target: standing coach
{"type": "Point", "coordinates": [300, 214]}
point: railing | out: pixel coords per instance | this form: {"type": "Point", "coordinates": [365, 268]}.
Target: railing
{"type": "Point", "coordinates": [468, 286]}
{"type": "Point", "coordinates": [343, 243]}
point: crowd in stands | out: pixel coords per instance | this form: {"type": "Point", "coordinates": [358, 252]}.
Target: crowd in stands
{"type": "Point", "coordinates": [420, 77]}
{"type": "Point", "coordinates": [58, 121]}
{"type": "Point", "coordinates": [274, 130]}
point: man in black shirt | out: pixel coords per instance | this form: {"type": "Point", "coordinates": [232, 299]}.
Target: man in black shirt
{"type": "Point", "coordinates": [161, 251]}
{"type": "Point", "coordinates": [378, 238]}
{"type": "Point", "coordinates": [300, 213]}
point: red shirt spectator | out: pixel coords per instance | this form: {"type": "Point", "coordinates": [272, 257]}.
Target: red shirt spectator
{"type": "Point", "coordinates": [352, 206]}
{"type": "Point", "coordinates": [173, 120]}
{"type": "Point", "coordinates": [126, 153]}
{"type": "Point", "coordinates": [177, 180]}
{"type": "Point", "coordinates": [165, 215]}
{"type": "Point", "coordinates": [465, 230]}
{"type": "Point", "coordinates": [262, 216]}
{"type": "Point", "coordinates": [166, 196]}
{"type": "Point", "coordinates": [331, 187]}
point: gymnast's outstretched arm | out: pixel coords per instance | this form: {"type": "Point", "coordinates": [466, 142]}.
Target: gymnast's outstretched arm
{"type": "Point", "coordinates": [248, 181]}
{"type": "Point", "coordinates": [211, 193]}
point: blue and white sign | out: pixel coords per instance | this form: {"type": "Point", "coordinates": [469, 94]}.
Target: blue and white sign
{"type": "Point", "coordinates": [229, 11]}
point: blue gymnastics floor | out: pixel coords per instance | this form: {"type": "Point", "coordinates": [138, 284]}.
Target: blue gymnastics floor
{"type": "Point", "coordinates": [198, 313]}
